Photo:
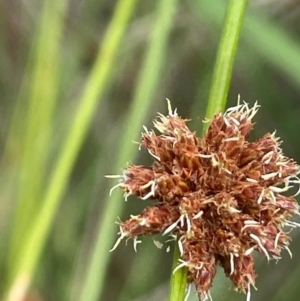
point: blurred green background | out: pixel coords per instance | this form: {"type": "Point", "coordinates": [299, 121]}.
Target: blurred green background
{"type": "Point", "coordinates": [78, 79]}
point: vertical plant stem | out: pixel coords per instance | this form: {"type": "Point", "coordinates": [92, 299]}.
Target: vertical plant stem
{"type": "Point", "coordinates": [36, 236]}
{"type": "Point", "coordinates": [225, 57]}
{"type": "Point", "coordinates": [44, 73]}
{"type": "Point", "coordinates": [216, 103]}
{"type": "Point", "coordinates": [146, 88]}
{"type": "Point", "coordinates": [268, 39]}
{"type": "Point", "coordinates": [178, 279]}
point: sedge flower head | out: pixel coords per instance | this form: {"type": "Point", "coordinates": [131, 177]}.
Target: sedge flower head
{"type": "Point", "coordinates": [223, 196]}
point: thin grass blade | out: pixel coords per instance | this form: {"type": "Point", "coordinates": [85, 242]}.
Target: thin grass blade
{"type": "Point", "coordinates": [97, 82]}
{"type": "Point", "coordinates": [145, 91]}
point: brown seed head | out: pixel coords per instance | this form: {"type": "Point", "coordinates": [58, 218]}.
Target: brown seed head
{"type": "Point", "coordinates": [221, 195]}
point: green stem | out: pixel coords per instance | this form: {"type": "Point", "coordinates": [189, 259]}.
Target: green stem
{"type": "Point", "coordinates": [44, 73]}
{"type": "Point", "coordinates": [143, 98]}
{"type": "Point", "coordinates": [178, 279]}
{"type": "Point", "coordinates": [225, 57]}
{"type": "Point", "coordinates": [34, 241]}
{"type": "Point", "coordinates": [216, 103]}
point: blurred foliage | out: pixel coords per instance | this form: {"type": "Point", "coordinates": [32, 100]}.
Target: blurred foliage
{"type": "Point", "coordinates": [65, 124]}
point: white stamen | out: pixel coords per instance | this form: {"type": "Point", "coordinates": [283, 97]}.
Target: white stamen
{"type": "Point", "coordinates": [226, 170]}
{"type": "Point", "coordinates": [173, 238]}
{"type": "Point", "coordinates": [251, 222]}
{"type": "Point", "coordinates": [188, 291]}
{"type": "Point", "coordinates": [159, 127]}
{"type": "Point", "coordinates": [267, 157]}
{"type": "Point", "coordinates": [273, 135]}
{"type": "Point", "coordinates": [269, 176]}
{"type": "Point", "coordinates": [183, 264]}
{"type": "Point", "coordinates": [180, 246]}
{"type": "Point", "coordinates": [292, 224]}
{"type": "Point", "coordinates": [235, 121]}
{"type": "Point", "coordinates": [277, 210]}
{"type": "Point", "coordinates": [297, 181]}
{"type": "Point", "coordinates": [209, 295]}
{"type": "Point", "coordinates": [297, 212]}
{"type": "Point", "coordinates": [113, 176]}
{"type": "Point", "coordinates": [113, 188]}
{"type": "Point", "coordinates": [253, 110]}
{"type": "Point", "coordinates": [294, 181]}
{"type": "Point", "coordinates": [231, 264]}
{"type": "Point", "coordinates": [226, 121]}
{"type": "Point", "coordinates": [261, 196]}
{"type": "Point", "coordinates": [279, 190]}
{"type": "Point", "coordinates": [251, 282]}
{"type": "Point", "coordinates": [249, 251]}
{"type": "Point", "coordinates": [214, 161]}
{"type": "Point", "coordinates": [116, 244]}
{"type": "Point", "coordinates": [143, 222]}
{"type": "Point", "coordinates": [233, 109]}
{"type": "Point", "coordinates": [248, 293]}
{"type": "Point", "coordinates": [152, 191]}
{"type": "Point", "coordinates": [234, 210]}
{"type": "Point", "coordinates": [162, 117]}
{"type": "Point", "coordinates": [199, 214]}
{"type": "Point", "coordinates": [289, 251]}
{"type": "Point", "coordinates": [145, 129]}
{"type": "Point", "coordinates": [269, 160]}
{"type": "Point", "coordinates": [122, 235]}
{"type": "Point", "coordinates": [251, 180]}
{"type": "Point", "coordinates": [277, 239]}
{"type": "Point", "coordinates": [204, 156]}
{"type": "Point", "coordinates": [147, 184]}
{"type": "Point", "coordinates": [153, 188]}
{"type": "Point", "coordinates": [171, 227]}
{"type": "Point", "coordinates": [271, 196]}
{"type": "Point", "coordinates": [205, 297]}
{"type": "Point", "coordinates": [250, 226]}
{"type": "Point", "coordinates": [146, 196]}
{"type": "Point", "coordinates": [281, 163]}
{"type": "Point", "coordinates": [135, 243]}
{"type": "Point", "coordinates": [280, 172]}
{"type": "Point", "coordinates": [154, 156]}
{"type": "Point", "coordinates": [182, 220]}
{"type": "Point", "coordinates": [231, 139]}
{"type": "Point", "coordinates": [188, 223]}
{"type": "Point", "coordinates": [158, 244]}
{"type": "Point", "coordinates": [260, 245]}
{"type": "Point", "coordinates": [168, 249]}
{"type": "Point", "coordinates": [170, 109]}
{"type": "Point", "coordinates": [126, 195]}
